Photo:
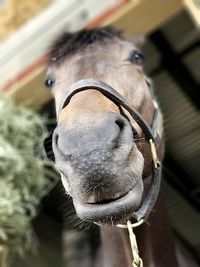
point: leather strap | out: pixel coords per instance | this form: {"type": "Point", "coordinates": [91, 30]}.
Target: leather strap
{"type": "Point", "coordinates": [151, 197]}
{"type": "Point", "coordinates": [113, 95]}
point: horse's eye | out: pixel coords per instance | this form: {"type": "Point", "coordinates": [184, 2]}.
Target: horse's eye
{"type": "Point", "coordinates": [136, 57]}
{"type": "Point", "coordinates": [49, 81]}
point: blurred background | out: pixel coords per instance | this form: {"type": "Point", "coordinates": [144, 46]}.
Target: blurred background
{"type": "Point", "coordinates": [172, 54]}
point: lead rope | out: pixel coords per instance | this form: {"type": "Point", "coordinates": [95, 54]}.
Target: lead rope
{"type": "Point", "coordinates": [137, 261]}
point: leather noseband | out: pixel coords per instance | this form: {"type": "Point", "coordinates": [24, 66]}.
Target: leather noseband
{"type": "Point", "coordinates": [152, 134]}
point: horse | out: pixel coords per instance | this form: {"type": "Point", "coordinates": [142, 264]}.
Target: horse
{"type": "Point", "coordinates": [108, 144]}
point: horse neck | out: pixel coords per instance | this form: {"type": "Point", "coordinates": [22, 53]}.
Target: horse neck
{"type": "Point", "coordinates": [155, 243]}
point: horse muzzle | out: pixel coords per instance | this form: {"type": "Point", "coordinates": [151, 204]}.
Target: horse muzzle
{"type": "Point", "coordinates": [96, 167]}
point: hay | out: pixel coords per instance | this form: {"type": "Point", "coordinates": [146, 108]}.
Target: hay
{"type": "Point", "coordinates": [23, 174]}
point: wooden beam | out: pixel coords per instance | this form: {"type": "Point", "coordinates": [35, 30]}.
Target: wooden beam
{"type": "Point", "coordinates": [193, 8]}
{"type": "Point", "coordinates": [142, 16]}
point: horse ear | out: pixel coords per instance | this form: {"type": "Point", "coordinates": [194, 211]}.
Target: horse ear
{"type": "Point", "coordinates": [138, 40]}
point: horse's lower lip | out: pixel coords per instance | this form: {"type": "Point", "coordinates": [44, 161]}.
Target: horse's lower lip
{"type": "Point", "coordinates": [116, 210]}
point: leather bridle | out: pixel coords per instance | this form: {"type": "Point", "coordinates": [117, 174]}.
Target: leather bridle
{"type": "Point", "coordinates": [152, 134]}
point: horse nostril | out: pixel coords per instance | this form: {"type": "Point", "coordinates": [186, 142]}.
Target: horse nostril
{"type": "Point", "coordinates": [120, 123]}
{"type": "Point", "coordinates": [55, 139]}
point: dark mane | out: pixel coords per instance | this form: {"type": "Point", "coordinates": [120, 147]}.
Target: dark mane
{"type": "Point", "coordinates": [70, 43]}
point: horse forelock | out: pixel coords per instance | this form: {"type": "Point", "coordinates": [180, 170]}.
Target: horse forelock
{"type": "Point", "coordinates": [68, 44]}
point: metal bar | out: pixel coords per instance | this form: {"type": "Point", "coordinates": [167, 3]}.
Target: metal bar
{"type": "Point", "coordinates": [173, 63]}
{"type": "Point", "coordinates": [189, 49]}
{"type": "Point", "coordinates": [179, 180]}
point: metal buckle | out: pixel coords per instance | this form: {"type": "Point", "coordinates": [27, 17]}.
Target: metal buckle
{"type": "Point", "coordinates": [153, 153]}
{"type": "Point", "coordinates": [160, 127]}
{"type": "Point", "coordinates": [133, 225]}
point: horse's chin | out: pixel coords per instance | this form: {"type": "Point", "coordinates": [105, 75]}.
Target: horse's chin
{"type": "Point", "coordinates": [111, 212]}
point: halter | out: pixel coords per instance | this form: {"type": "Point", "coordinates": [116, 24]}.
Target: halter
{"type": "Point", "coordinates": [153, 134]}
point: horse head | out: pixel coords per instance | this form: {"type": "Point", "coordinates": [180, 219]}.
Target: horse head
{"type": "Point", "coordinates": [105, 114]}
